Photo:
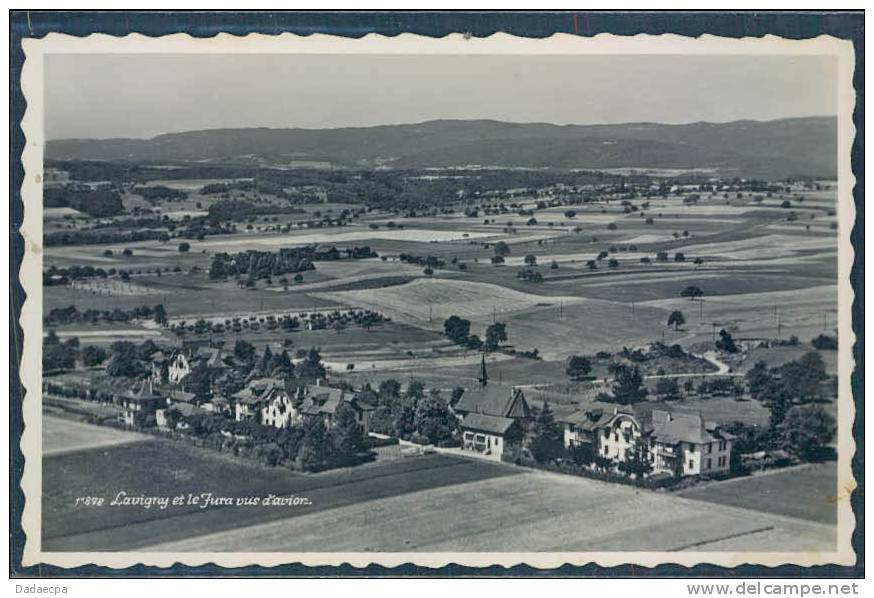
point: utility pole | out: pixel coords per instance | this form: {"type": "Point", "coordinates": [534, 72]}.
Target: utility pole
{"type": "Point", "coordinates": [779, 326]}
{"type": "Point", "coordinates": [701, 309]}
{"type": "Point", "coordinates": [632, 308]}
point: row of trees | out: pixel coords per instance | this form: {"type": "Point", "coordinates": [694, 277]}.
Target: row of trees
{"type": "Point", "coordinates": [71, 315]}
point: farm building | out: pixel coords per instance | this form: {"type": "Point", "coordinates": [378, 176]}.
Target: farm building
{"type": "Point", "coordinates": [492, 419]}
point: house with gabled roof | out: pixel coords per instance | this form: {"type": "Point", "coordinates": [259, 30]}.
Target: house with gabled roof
{"type": "Point", "coordinates": [318, 400]}
{"type": "Point", "coordinates": [679, 444]}
{"type": "Point", "coordinates": [266, 401]}
{"type": "Point", "coordinates": [492, 417]}
{"type": "Point", "coordinates": [685, 444]}
{"type": "Point", "coordinates": [139, 404]}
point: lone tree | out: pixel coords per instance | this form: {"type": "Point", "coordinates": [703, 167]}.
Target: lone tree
{"type": "Point", "coordinates": [457, 329]}
{"type": "Point", "coordinates": [676, 319]}
{"type": "Point", "coordinates": [495, 334]}
{"type": "Point", "coordinates": [543, 438]}
{"type": "Point", "coordinates": [502, 249]}
{"type": "Point", "coordinates": [578, 367]}
{"type": "Point", "coordinates": [530, 259]}
{"type": "Point", "coordinates": [628, 385]}
{"type": "Point", "coordinates": [184, 247]}
{"type": "Point", "coordinates": [725, 342]}
{"type": "Point", "coordinates": [692, 292]}
{"type": "Point", "coordinates": [347, 435]}
{"type": "Point", "coordinates": [806, 430]}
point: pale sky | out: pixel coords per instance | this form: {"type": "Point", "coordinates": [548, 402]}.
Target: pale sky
{"type": "Point", "coordinates": [100, 96]}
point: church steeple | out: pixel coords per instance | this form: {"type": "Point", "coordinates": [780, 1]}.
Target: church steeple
{"type": "Point", "coordinates": [484, 375]}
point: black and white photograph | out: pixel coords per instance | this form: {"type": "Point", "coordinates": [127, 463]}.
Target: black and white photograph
{"type": "Point", "coordinates": [477, 301]}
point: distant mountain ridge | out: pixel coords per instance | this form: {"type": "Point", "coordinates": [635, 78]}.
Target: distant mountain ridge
{"type": "Point", "coordinates": [770, 149]}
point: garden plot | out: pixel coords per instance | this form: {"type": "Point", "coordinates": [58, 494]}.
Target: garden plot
{"type": "Point", "coordinates": [427, 300]}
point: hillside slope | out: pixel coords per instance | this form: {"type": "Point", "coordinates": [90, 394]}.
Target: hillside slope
{"type": "Point", "coordinates": [773, 149]}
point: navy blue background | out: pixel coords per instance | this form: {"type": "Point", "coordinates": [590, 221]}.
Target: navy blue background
{"type": "Point", "coordinates": [795, 25]}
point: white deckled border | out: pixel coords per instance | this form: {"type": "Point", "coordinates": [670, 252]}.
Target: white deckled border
{"type": "Point", "coordinates": [223, 43]}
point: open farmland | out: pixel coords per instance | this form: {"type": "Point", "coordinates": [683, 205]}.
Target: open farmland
{"type": "Point", "coordinates": [105, 472]}
{"type": "Point", "coordinates": [62, 436]}
{"type": "Point", "coordinates": [435, 300]}
{"type": "Point", "coordinates": [527, 512]}
{"type": "Point", "coordinates": [813, 488]}
{"type": "Point", "coordinates": [401, 504]}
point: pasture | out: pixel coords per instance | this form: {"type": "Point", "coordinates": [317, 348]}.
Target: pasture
{"type": "Point", "coordinates": [184, 469]}
{"type": "Point", "coordinates": [62, 435]}
{"type": "Point", "coordinates": [806, 492]}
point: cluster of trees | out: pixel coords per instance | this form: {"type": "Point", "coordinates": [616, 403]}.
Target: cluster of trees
{"type": "Point", "coordinates": [578, 367]}
{"type": "Point", "coordinates": [100, 202]}
{"type": "Point", "coordinates": [428, 261]}
{"type": "Point", "coordinates": [825, 343]}
{"type": "Point", "coordinates": [130, 230]}
{"type": "Point", "coordinates": [412, 415]}
{"type": "Point", "coordinates": [58, 354]}
{"type": "Point", "coordinates": [239, 209]}
{"type": "Point", "coordinates": [457, 329]}
{"type": "Point", "coordinates": [627, 387]}
{"type": "Point", "coordinates": [529, 274]}
{"type": "Point", "coordinates": [157, 193]}
{"type": "Point", "coordinates": [795, 382]}
{"type": "Point", "coordinates": [102, 237]}
{"type": "Point", "coordinates": [308, 446]}
{"type": "Point", "coordinates": [71, 315]}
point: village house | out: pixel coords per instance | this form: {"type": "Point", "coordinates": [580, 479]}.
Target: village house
{"type": "Point", "coordinates": [491, 419]}
{"type": "Point", "coordinates": [138, 405]}
{"type": "Point", "coordinates": [322, 401]}
{"type": "Point", "coordinates": [266, 401]}
{"type": "Point", "coordinates": [684, 444]}
{"type": "Point", "coordinates": [172, 369]}
{"type": "Point", "coordinates": [678, 444]}
{"type": "Point", "coordinates": [179, 366]}
{"type": "Point", "coordinates": [173, 417]}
